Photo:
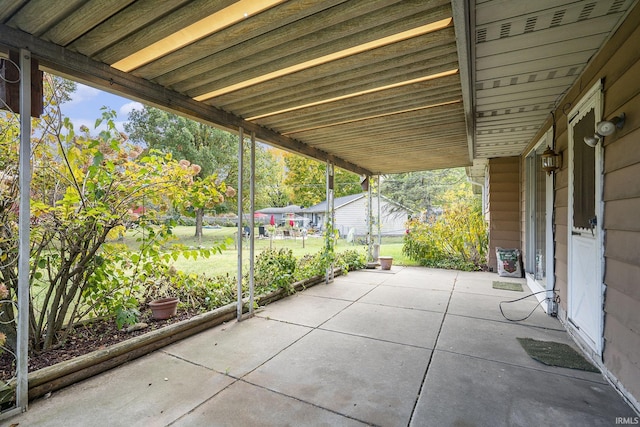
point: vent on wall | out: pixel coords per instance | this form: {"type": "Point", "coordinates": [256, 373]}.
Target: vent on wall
{"type": "Point", "coordinates": [505, 29]}
{"type": "Point", "coordinates": [531, 24]}
{"type": "Point", "coordinates": [615, 6]}
{"type": "Point", "coordinates": [586, 11]}
{"type": "Point", "coordinates": [557, 17]}
{"type": "Point", "coordinates": [481, 35]}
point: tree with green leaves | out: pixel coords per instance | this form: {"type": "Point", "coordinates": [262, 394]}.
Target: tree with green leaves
{"type": "Point", "coordinates": [426, 190]}
{"type": "Point", "coordinates": [214, 150]}
{"type": "Point", "coordinates": [275, 194]}
{"type": "Point", "coordinates": [306, 181]}
{"type": "Point", "coordinates": [269, 175]}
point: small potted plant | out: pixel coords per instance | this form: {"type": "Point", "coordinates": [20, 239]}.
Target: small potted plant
{"type": "Point", "coordinates": [162, 302]}
{"type": "Point", "coordinates": [164, 308]}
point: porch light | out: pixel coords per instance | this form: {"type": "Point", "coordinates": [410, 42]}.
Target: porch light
{"type": "Point", "coordinates": [592, 141]}
{"type": "Point", "coordinates": [605, 128]}
{"type": "Point", "coordinates": [550, 161]}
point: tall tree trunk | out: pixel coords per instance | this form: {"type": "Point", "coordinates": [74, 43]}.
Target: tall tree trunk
{"type": "Point", "coordinates": [199, 221]}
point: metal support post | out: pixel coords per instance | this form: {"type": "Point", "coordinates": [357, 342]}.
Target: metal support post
{"type": "Point", "coordinates": [330, 231]}
{"type": "Point", "coordinates": [252, 188]}
{"type": "Point", "coordinates": [369, 220]}
{"type": "Point", "coordinates": [240, 229]}
{"type": "Point", "coordinates": [379, 216]}
{"type": "Point", "coordinates": [24, 220]}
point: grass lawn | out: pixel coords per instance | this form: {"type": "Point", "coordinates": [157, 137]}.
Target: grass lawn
{"type": "Point", "coordinates": [226, 262]}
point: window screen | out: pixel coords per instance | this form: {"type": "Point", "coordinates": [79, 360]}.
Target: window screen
{"type": "Point", "coordinates": [584, 178]}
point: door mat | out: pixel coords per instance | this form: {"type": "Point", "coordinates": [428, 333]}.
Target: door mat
{"type": "Point", "coordinates": [507, 286]}
{"type": "Point", "coordinates": [556, 354]}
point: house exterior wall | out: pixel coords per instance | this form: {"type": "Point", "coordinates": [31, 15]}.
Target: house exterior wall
{"type": "Point", "coordinates": [504, 205]}
{"type": "Point", "coordinates": [354, 215]}
{"type": "Point", "coordinates": [618, 63]}
{"type": "Point", "coordinates": [350, 215]}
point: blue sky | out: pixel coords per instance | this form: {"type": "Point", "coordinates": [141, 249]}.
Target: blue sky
{"type": "Point", "coordinates": [84, 108]}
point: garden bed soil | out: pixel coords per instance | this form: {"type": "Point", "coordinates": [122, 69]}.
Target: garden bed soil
{"type": "Point", "coordinates": [95, 335]}
{"type": "Point", "coordinates": [96, 346]}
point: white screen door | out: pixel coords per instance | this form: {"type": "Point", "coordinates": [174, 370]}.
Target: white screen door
{"type": "Point", "coordinates": [584, 223]}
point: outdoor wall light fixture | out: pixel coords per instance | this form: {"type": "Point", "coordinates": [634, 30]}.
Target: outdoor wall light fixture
{"type": "Point", "coordinates": [592, 141]}
{"type": "Point", "coordinates": [605, 128]}
{"type": "Point", "coordinates": [550, 161]}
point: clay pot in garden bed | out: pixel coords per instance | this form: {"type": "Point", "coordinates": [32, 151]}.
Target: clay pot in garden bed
{"type": "Point", "coordinates": [55, 377]}
{"type": "Point", "coordinates": [164, 308]}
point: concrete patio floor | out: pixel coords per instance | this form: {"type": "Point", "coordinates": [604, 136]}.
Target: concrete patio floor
{"type": "Point", "coordinates": [410, 346]}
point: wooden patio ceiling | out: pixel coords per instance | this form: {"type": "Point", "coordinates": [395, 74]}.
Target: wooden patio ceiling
{"type": "Point", "coordinates": [375, 86]}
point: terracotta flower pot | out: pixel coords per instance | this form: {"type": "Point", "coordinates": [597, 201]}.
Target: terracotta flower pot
{"type": "Point", "coordinates": [164, 308]}
{"type": "Point", "coordinates": [385, 262]}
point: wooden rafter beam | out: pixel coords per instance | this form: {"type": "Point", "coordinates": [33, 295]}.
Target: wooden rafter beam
{"type": "Point", "coordinates": [85, 70]}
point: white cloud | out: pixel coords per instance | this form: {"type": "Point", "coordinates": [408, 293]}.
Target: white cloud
{"type": "Point", "coordinates": [125, 109]}
{"type": "Point", "coordinates": [83, 93]}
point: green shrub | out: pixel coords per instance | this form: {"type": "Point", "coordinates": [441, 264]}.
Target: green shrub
{"type": "Point", "coordinates": [197, 292]}
{"type": "Point", "coordinates": [456, 240]}
{"type": "Point", "coordinates": [309, 266]}
{"type": "Point", "coordinates": [351, 259]}
{"type": "Point", "coordinates": [156, 278]}
{"type": "Point", "coordinates": [275, 269]}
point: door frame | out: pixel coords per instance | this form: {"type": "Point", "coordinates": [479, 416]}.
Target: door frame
{"type": "Point", "coordinates": [534, 285]}
{"type": "Point", "coordinates": [593, 99]}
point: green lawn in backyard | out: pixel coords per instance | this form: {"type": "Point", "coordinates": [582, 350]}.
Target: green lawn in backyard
{"type": "Point", "coordinates": [226, 262]}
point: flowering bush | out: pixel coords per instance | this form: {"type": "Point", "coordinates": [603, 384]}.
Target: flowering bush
{"type": "Point", "coordinates": [86, 190]}
{"type": "Point", "coordinates": [457, 239]}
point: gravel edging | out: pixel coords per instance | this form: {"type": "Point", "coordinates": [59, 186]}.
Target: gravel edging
{"type": "Point", "coordinates": [63, 374]}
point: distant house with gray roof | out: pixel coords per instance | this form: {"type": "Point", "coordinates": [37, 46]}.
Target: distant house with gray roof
{"type": "Point", "coordinates": [281, 214]}
{"type": "Point", "coordinates": [351, 212]}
